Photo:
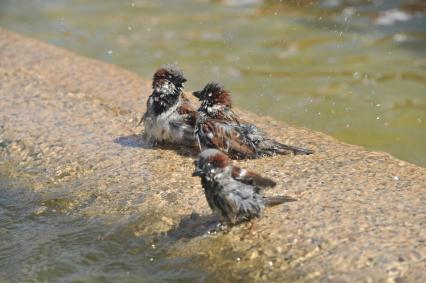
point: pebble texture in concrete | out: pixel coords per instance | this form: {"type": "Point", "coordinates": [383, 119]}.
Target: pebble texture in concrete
{"type": "Point", "coordinates": [67, 124]}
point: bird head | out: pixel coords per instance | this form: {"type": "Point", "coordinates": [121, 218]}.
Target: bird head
{"type": "Point", "coordinates": [210, 162]}
{"type": "Point", "coordinates": [213, 94]}
{"type": "Point", "coordinates": [168, 78]}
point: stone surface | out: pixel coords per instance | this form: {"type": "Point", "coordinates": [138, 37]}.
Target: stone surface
{"type": "Point", "coordinates": [67, 124]}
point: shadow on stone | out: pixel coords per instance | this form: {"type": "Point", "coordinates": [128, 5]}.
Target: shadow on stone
{"type": "Point", "coordinates": [139, 142]}
{"type": "Point", "coordinates": [193, 225]}
{"type": "Point", "coordinates": [132, 141]}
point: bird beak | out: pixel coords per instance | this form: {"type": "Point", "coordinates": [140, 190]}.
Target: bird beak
{"type": "Point", "coordinates": [197, 94]}
{"type": "Point", "coordinates": [197, 172]}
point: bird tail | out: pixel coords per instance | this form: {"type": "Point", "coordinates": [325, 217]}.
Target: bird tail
{"type": "Point", "coordinates": [141, 120]}
{"type": "Point", "coordinates": [276, 200]}
{"type": "Point", "coordinates": [282, 148]}
{"type": "Point", "coordinates": [266, 146]}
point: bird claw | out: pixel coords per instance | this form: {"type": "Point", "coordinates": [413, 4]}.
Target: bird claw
{"type": "Point", "coordinates": [219, 227]}
{"type": "Point", "coordinates": [222, 227]}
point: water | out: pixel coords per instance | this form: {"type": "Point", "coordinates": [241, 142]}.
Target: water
{"type": "Point", "coordinates": [54, 234]}
{"type": "Point", "coordinates": [46, 239]}
{"type": "Point", "coordinates": [38, 241]}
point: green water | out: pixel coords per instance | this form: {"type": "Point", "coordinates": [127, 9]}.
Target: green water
{"type": "Point", "coordinates": [341, 67]}
{"type": "Point", "coordinates": [354, 72]}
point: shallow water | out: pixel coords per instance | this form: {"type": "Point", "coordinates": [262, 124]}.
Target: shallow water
{"type": "Point", "coordinates": [46, 239]}
{"type": "Point", "coordinates": [357, 72]}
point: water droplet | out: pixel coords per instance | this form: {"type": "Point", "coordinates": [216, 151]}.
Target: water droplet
{"type": "Point", "coordinates": [348, 11]}
{"type": "Point", "coordinates": [378, 105]}
{"type": "Point", "coordinates": [270, 263]}
{"type": "Point", "coordinates": [109, 52]}
{"type": "Point", "coordinates": [396, 178]}
{"type": "Point", "coordinates": [400, 37]}
{"type": "Point", "coordinates": [238, 259]}
{"type": "Point", "coordinates": [377, 118]}
{"type": "Point", "coordinates": [356, 75]}
{"type": "Point", "coordinates": [151, 259]}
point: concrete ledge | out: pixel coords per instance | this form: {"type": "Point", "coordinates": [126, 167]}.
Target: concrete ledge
{"type": "Point", "coordinates": [67, 126]}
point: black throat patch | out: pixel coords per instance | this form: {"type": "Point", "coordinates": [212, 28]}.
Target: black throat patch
{"type": "Point", "coordinates": [163, 101]}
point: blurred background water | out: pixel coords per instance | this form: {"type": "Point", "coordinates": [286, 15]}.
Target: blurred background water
{"type": "Point", "coordinates": [353, 69]}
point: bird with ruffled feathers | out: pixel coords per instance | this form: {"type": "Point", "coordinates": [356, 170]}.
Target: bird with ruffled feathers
{"type": "Point", "coordinates": [232, 192]}
{"type": "Point", "coordinates": [170, 115]}
{"type": "Point", "coordinates": [218, 126]}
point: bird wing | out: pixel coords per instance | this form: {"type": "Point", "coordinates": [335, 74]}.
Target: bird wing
{"type": "Point", "coordinates": [251, 178]}
{"type": "Point", "coordinates": [229, 116]}
{"type": "Point", "coordinates": [142, 119]}
{"type": "Point", "coordinates": [225, 137]}
{"type": "Point", "coordinates": [148, 106]}
{"type": "Point", "coordinates": [187, 109]}
{"type": "Point", "coordinates": [222, 113]}
{"type": "Point", "coordinates": [184, 128]}
{"type": "Point", "coordinates": [229, 207]}
{"type": "Point", "coordinates": [185, 121]}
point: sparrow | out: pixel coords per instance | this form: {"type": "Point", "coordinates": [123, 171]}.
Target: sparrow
{"type": "Point", "coordinates": [169, 116]}
{"type": "Point", "coordinates": [233, 192]}
{"type": "Point", "coordinates": [216, 103]}
{"type": "Point", "coordinates": [217, 126]}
